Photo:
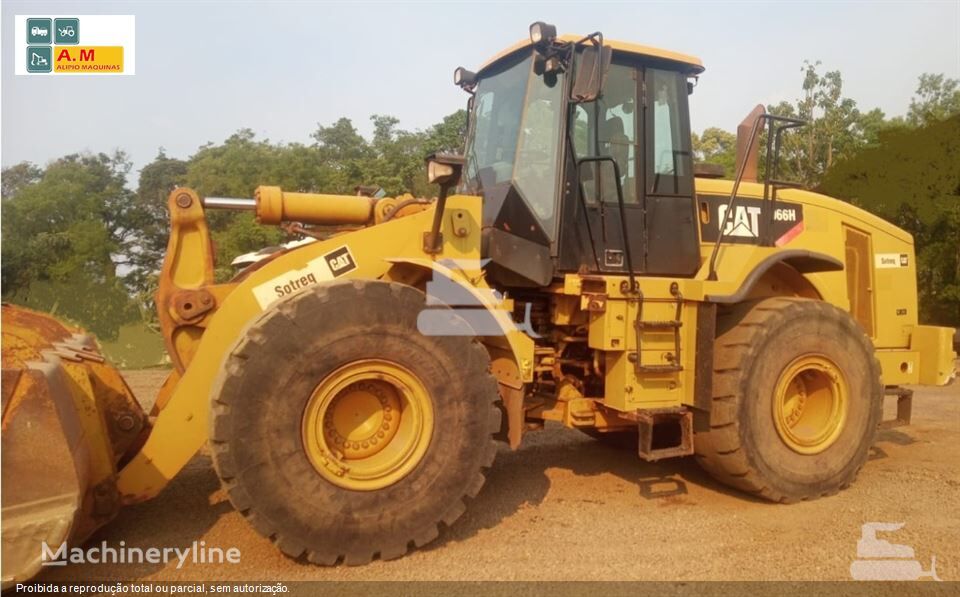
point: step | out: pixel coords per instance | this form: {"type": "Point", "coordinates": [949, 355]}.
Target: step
{"type": "Point", "coordinates": [664, 324]}
{"type": "Point", "coordinates": [681, 422]}
{"type": "Point", "coordinates": [659, 368]}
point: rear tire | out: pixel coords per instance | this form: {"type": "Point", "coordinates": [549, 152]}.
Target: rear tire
{"type": "Point", "coordinates": [797, 400]}
{"type": "Point", "coordinates": [289, 396]}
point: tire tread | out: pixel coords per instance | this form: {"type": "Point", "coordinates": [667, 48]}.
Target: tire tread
{"type": "Point", "coordinates": [721, 451]}
{"type": "Point", "coordinates": [224, 423]}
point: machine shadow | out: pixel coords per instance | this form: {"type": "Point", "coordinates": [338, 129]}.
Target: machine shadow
{"type": "Point", "coordinates": [519, 479]}
{"type": "Point", "coordinates": [516, 480]}
{"type": "Point", "coordinates": [149, 524]}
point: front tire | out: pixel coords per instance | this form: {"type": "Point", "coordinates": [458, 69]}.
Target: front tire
{"type": "Point", "coordinates": [343, 433]}
{"type": "Point", "coordinates": [797, 400]}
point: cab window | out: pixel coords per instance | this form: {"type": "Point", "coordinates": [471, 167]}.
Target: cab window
{"type": "Point", "coordinates": [535, 170]}
{"type": "Point", "coordinates": [608, 127]}
{"type": "Point", "coordinates": [668, 160]}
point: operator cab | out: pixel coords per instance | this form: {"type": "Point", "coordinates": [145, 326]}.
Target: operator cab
{"type": "Point", "coordinates": [561, 131]}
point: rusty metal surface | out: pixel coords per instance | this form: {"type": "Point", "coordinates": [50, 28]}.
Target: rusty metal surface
{"type": "Point", "coordinates": [904, 407]}
{"type": "Point", "coordinates": [187, 266]}
{"type": "Point", "coordinates": [30, 336]}
{"type": "Point", "coordinates": [68, 418]}
{"type": "Point", "coordinates": [510, 387]}
{"type": "Point", "coordinates": [44, 468]}
{"type": "Point", "coordinates": [190, 305]}
{"type": "Point", "coordinates": [654, 446]}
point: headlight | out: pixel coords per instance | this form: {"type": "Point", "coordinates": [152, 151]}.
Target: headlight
{"type": "Point", "coordinates": [542, 34]}
{"type": "Point", "coordinates": [437, 172]}
{"type": "Point", "coordinates": [444, 169]}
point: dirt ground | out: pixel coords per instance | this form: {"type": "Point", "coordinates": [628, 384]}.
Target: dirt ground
{"type": "Point", "coordinates": [565, 507]}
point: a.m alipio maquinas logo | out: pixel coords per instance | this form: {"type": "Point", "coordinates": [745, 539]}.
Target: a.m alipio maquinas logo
{"type": "Point", "coordinates": [75, 45]}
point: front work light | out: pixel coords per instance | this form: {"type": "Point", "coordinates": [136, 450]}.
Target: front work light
{"type": "Point", "coordinates": [463, 77]}
{"type": "Point", "coordinates": [542, 34]}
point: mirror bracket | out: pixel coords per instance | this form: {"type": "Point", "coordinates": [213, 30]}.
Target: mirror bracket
{"type": "Point", "coordinates": [554, 56]}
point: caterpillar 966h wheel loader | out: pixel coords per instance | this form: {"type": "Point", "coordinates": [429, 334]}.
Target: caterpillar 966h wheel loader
{"type": "Point", "coordinates": [573, 268]}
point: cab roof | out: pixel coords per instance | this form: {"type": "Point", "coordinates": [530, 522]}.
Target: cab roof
{"type": "Point", "coordinates": [688, 64]}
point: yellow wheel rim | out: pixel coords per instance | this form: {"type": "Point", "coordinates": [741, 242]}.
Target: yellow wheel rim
{"type": "Point", "coordinates": [367, 425]}
{"type": "Point", "coordinates": [810, 404]}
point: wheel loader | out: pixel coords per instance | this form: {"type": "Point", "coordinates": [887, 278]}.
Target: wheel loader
{"type": "Point", "coordinates": [575, 267]}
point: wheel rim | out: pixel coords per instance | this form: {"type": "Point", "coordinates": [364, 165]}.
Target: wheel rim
{"type": "Point", "coordinates": [367, 425]}
{"type": "Point", "coordinates": [810, 404]}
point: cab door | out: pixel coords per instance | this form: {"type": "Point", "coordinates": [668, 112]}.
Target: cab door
{"type": "Point", "coordinates": [611, 127]}
{"type": "Point", "coordinates": [642, 123]}
{"type": "Point", "coordinates": [672, 244]}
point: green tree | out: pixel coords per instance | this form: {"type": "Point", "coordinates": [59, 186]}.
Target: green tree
{"type": "Point", "coordinates": [235, 169]}
{"type": "Point", "coordinates": [77, 241]}
{"type": "Point", "coordinates": [716, 146]}
{"type": "Point", "coordinates": [18, 176]}
{"type": "Point", "coordinates": [912, 178]}
{"type": "Point", "coordinates": [831, 131]}
{"type": "Point", "coordinates": [157, 179]}
{"type": "Point", "coordinates": [66, 231]}
{"type": "Point", "coordinates": [394, 158]}
{"type": "Point", "coordinates": [867, 128]}
{"type": "Point", "coordinates": [937, 98]}
{"type": "Point", "coordinates": [447, 136]}
{"type": "Point", "coordinates": [344, 152]}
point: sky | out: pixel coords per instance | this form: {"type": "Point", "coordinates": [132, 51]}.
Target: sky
{"type": "Point", "coordinates": [206, 69]}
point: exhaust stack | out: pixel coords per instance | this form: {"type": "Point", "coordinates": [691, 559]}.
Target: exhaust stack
{"type": "Point", "coordinates": [749, 161]}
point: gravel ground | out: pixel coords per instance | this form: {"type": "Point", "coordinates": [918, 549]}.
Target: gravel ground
{"type": "Point", "coordinates": [564, 507]}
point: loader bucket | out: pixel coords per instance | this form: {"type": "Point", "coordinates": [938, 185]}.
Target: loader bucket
{"type": "Point", "coordinates": [68, 420]}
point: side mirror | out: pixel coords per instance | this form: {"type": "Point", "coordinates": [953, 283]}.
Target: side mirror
{"type": "Point", "coordinates": [592, 67]}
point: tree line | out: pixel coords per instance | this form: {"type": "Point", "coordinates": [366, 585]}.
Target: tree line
{"type": "Point", "coordinates": [79, 242]}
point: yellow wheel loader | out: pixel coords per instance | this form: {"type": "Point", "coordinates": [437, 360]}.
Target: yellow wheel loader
{"type": "Point", "coordinates": [574, 267]}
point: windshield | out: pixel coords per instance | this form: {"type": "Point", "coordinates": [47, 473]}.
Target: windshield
{"type": "Point", "coordinates": [514, 135]}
